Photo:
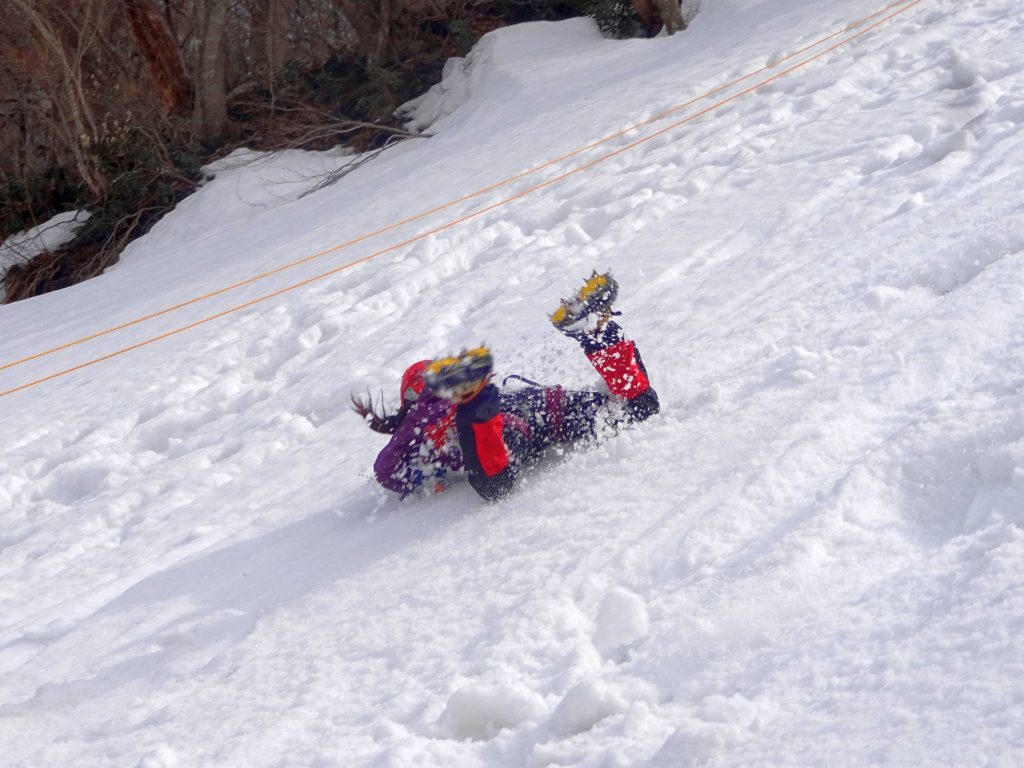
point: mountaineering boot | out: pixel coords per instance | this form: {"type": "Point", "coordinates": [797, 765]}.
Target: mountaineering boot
{"type": "Point", "coordinates": [591, 306]}
{"type": "Point", "coordinates": [587, 318]}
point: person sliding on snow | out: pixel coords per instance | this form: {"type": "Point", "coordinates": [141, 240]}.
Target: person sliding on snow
{"type": "Point", "coordinates": [453, 419]}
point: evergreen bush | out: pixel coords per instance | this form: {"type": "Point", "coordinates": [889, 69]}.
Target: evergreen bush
{"type": "Point", "coordinates": [616, 18]}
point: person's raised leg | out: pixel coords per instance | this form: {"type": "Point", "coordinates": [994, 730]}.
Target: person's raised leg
{"type": "Point", "coordinates": [587, 318]}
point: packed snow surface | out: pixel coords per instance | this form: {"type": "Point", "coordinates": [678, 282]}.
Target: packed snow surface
{"type": "Point", "coordinates": [814, 556]}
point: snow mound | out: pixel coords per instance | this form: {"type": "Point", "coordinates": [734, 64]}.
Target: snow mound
{"type": "Point", "coordinates": [240, 189]}
{"type": "Point", "coordinates": [585, 706]}
{"type": "Point", "coordinates": [690, 8]}
{"type": "Point", "coordinates": [479, 712]}
{"type": "Point", "coordinates": [621, 622]}
{"type": "Point", "coordinates": [498, 65]}
{"type": "Point", "coordinates": [45, 237]}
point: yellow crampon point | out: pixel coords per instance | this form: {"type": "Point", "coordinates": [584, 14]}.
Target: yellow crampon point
{"type": "Point", "coordinates": [597, 293]}
{"type": "Point", "coordinates": [595, 282]}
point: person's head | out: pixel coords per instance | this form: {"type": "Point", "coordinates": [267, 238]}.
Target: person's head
{"type": "Point", "coordinates": [377, 416]}
{"type": "Point", "coordinates": [461, 377]}
{"type": "Point", "coordinates": [412, 382]}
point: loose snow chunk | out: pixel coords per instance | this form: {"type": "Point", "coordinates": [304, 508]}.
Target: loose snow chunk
{"type": "Point", "coordinates": [882, 297]}
{"type": "Point", "coordinates": [585, 706]}
{"type": "Point", "coordinates": [479, 712]}
{"type": "Point", "coordinates": [621, 621]}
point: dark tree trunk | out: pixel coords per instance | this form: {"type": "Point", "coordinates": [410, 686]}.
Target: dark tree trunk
{"type": "Point", "coordinates": [271, 24]}
{"type": "Point", "coordinates": [366, 17]}
{"type": "Point", "coordinates": [160, 50]}
{"type": "Point", "coordinates": [70, 100]}
{"type": "Point", "coordinates": [380, 45]}
{"type": "Point", "coordinates": [647, 15]}
{"type": "Point", "coordinates": [672, 15]}
{"type": "Point", "coordinates": [210, 113]}
{"type": "Point", "coordinates": [278, 24]}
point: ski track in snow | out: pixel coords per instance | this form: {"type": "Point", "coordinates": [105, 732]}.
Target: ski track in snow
{"type": "Point", "coordinates": [813, 556]}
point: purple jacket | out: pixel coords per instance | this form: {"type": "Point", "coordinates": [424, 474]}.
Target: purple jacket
{"type": "Point", "coordinates": [423, 449]}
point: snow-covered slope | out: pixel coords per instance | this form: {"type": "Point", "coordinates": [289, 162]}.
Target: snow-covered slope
{"type": "Point", "coordinates": [813, 556]}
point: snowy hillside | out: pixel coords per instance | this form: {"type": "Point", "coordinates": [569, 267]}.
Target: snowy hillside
{"type": "Point", "coordinates": [813, 556]}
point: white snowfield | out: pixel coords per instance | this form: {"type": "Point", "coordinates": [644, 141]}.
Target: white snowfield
{"type": "Point", "coordinates": [814, 556]}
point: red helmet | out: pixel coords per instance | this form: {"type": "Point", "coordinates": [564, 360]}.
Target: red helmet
{"type": "Point", "coordinates": [412, 381]}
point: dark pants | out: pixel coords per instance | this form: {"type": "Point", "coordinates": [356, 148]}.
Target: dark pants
{"type": "Point", "coordinates": [538, 417]}
{"type": "Point", "coordinates": [535, 417]}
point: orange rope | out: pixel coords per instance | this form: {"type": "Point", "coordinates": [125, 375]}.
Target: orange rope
{"type": "Point", "coordinates": [454, 222]}
{"type": "Point", "coordinates": [449, 204]}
